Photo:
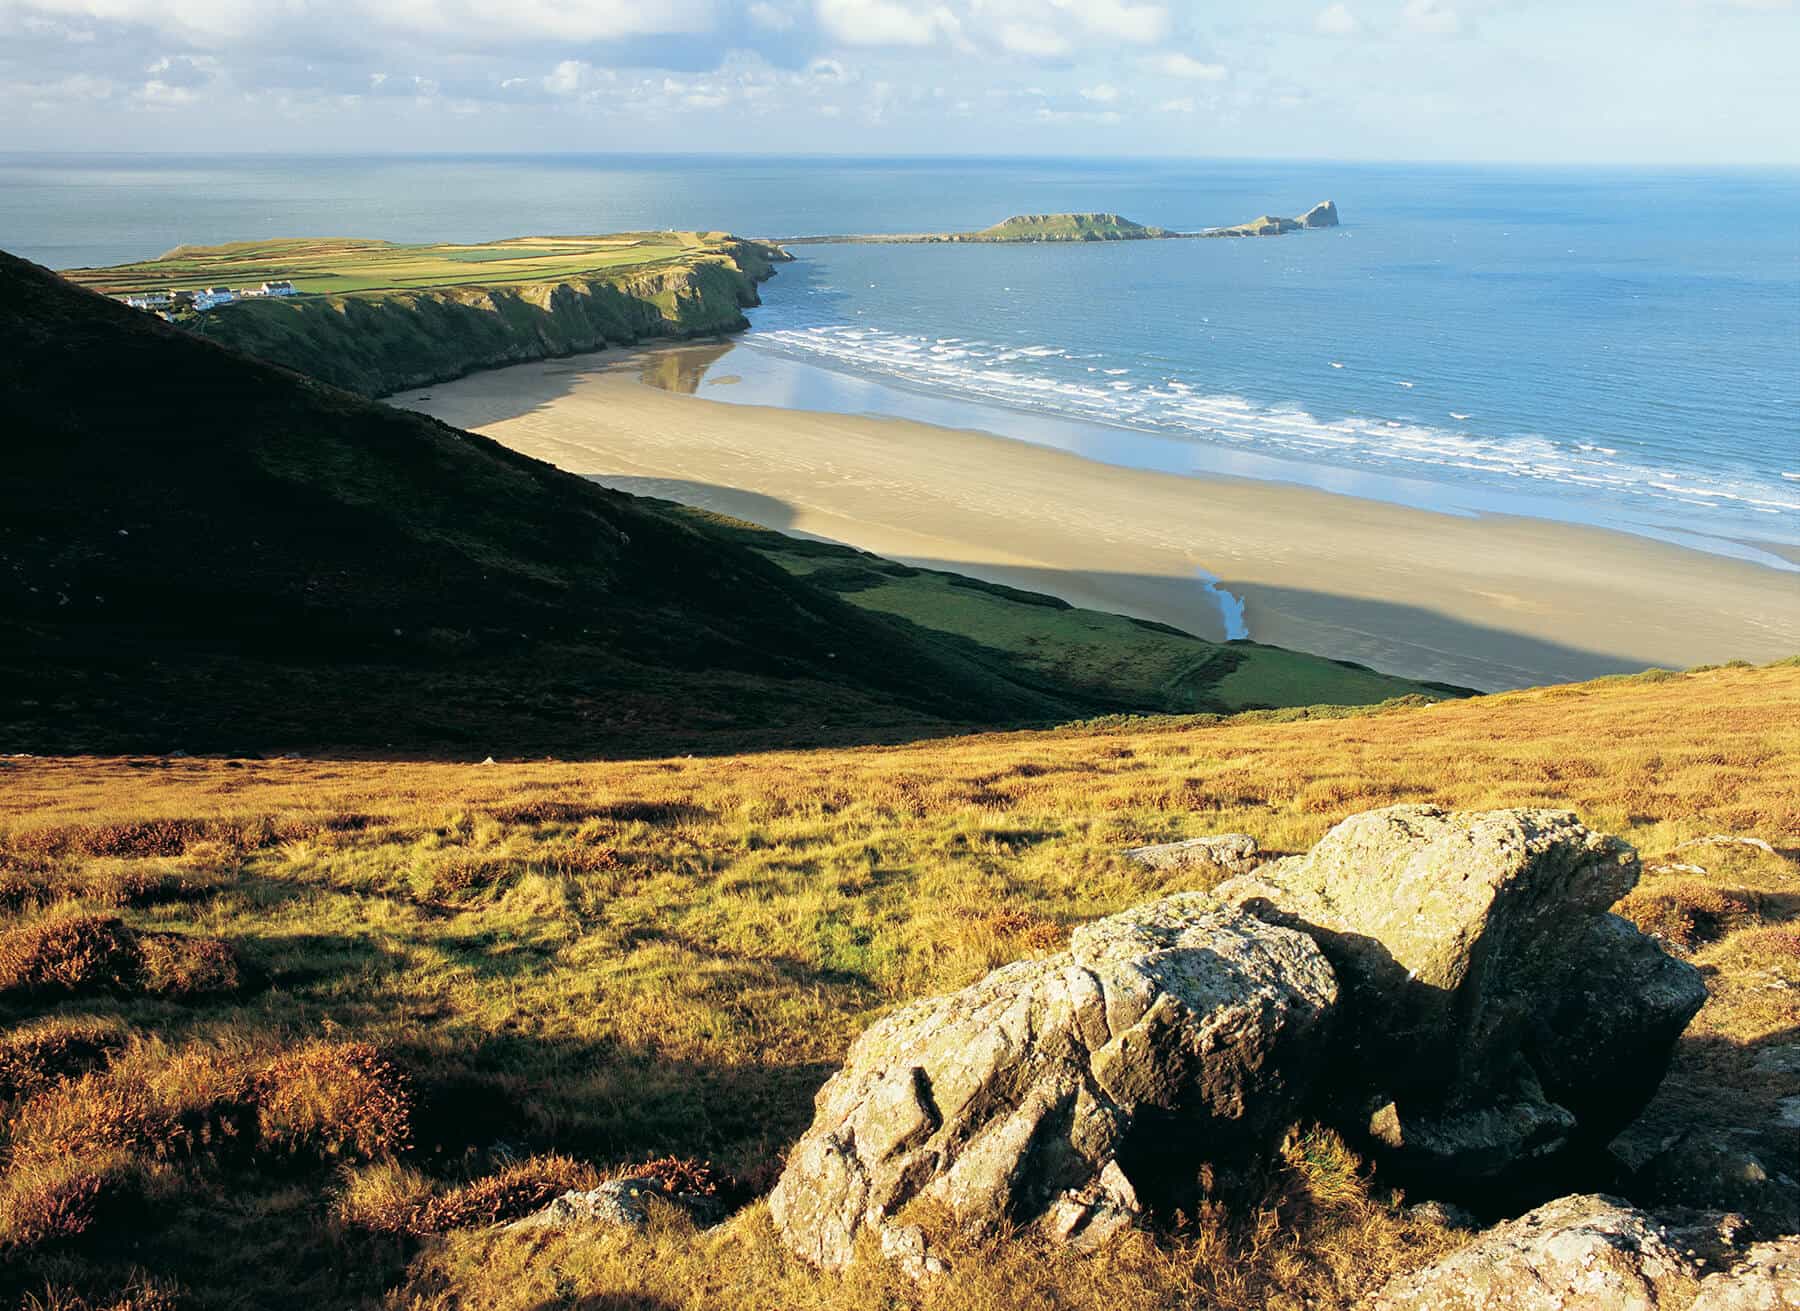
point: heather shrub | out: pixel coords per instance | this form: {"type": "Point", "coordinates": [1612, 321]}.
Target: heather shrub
{"type": "Point", "coordinates": [517, 1190]}
{"type": "Point", "coordinates": [686, 1176]}
{"type": "Point", "coordinates": [390, 1198]}
{"type": "Point", "coordinates": [1690, 913]}
{"type": "Point", "coordinates": [70, 954]}
{"type": "Point", "coordinates": [101, 1110]}
{"type": "Point", "coordinates": [334, 1100]}
{"type": "Point", "coordinates": [80, 954]}
{"type": "Point", "coordinates": [61, 1198]}
{"type": "Point", "coordinates": [35, 1056]}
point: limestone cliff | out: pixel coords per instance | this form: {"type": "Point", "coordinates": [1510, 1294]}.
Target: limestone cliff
{"type": "Point", "coordinates": [380, 344]}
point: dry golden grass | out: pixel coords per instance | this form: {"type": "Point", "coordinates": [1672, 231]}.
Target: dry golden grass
{"type": "Point", "coordinates": [611, 962]}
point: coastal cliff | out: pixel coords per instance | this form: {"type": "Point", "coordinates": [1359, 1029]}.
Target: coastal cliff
{"type": "Point", "coordinates": [380, 344]}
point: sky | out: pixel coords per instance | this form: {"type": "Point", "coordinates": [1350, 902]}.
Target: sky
{"type": "Point", "coordinates": [1556, 81]}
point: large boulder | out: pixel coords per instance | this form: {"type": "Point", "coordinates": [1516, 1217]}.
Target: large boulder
{"type": "Point", "coordinates": [1072, 1092]}
{"type": "Point", "coordinates": [1582, 1253]}
{"type": "Point", "coordinates": [1496, 1015]}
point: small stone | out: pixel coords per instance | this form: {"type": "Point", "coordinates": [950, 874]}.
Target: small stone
{"type": "Point", "coordinates": [1581, 1253]}
{"type": "Point", "coordinates": [619, 1202]}
{"type": "Point", "coordinates": [1231, 853]}
{"type": "Point", "coordinates": [904, 1245]}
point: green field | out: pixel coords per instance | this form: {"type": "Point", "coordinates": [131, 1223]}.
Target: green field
{"type": "Point", "coordinates": [327, 265]}
{"type": "Point", "coordinates": [1118, 662]}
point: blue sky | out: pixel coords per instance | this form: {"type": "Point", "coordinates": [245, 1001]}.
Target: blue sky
{"type": "Point", "coordinates": [1625, 81]}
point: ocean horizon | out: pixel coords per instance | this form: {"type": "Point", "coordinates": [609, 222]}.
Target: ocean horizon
{"type": "Point", "coordinates": [1617, 347]}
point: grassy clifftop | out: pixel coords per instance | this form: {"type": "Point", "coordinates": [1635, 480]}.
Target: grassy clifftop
{"type": "Point", "coordinates": [376, 318]}
{"type": "Point", "coordinates": [497, 982]}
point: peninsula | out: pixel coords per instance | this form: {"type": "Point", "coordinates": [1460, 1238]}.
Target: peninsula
{"type": "Point", "coordinates": [1029, 228]}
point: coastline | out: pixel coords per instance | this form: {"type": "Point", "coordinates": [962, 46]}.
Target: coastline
{"type": "Point", "coordinates": [1488, 601]}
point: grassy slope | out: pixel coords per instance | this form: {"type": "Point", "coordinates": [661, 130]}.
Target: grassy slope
{"type": "Point", "coordinates": [208, 552]}
{"type": "Point", "coordinates": [1064, 227]}
{"type": "Point", "coordinates": [622, 960]}
{"type": "Point", "coordinates": [406, 316]}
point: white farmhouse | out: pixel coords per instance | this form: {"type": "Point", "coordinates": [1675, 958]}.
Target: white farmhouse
{"type": "Point", "coordinates": [207, 297]}
{"type": "Point", "coordinates": [282, 288]}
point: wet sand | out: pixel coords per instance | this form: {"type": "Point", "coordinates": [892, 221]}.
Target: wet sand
{"type": "Point", "coordinates": [1489, 602]}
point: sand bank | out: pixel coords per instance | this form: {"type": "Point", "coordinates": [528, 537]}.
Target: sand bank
{"type": "Point", "coordinates": [1491, 602]}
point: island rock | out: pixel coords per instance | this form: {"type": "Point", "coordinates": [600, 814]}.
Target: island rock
{"type": "Point", "coordinates": [1322, 215]}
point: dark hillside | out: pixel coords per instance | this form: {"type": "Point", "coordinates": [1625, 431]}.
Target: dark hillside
{"type": "Point", "coordinates": [204, 551]}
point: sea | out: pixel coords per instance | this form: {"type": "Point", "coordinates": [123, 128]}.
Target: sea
{"type": "Point", "coordinates": [1608, 346]}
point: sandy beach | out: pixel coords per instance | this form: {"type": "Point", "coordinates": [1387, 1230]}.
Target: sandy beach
{"type": "Point", "coordinates": [1491, 602]}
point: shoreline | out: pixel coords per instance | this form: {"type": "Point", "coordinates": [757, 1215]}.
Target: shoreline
{"type": "Point", "coordinates": [1487, 601]}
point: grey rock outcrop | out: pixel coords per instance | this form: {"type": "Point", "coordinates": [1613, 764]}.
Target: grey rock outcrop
{"type": "Point", "coordinates": [1072, 1092]}
{"type": "Point", "coordinates": [1496, 1015]}
{"type": "Point", "coordinates": [1580, 1253]}
{"type": "Point", "coordinates": [618, 1203]}
{"type": "Point", "coordinates": [1322, 215]}
{"type": "Point", "coordinates": [1226, 853]}
{"type": "Point", "coordinates": [1767, 1279]}
{"type": "Point", "coordinates": [624, 1203]}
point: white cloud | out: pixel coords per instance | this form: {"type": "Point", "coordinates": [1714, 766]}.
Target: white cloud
{"type": "Point", "coordinates": [1336, 20]}
{"type": "Point", "coordinates": [774, 17]}
{"type": "Point", "coordinates": [1179, 105]}
{"type": "Point", "coordinates": [160, 95]}
{"type": "Point", "coordinates": [1430, 16]}
{"type": "Point", "coordinates": [446, 22]}
{"type": "Point", "coordinates": [885, 22]}
{"type": "Point", "coordinates": [1138, 24]}
{"type": "Point", "coordinates": [1104, 94]}
{"type": "Point", "coordinates": [1108, 117]}
{"type": "Point", "coordinates": [568, 77]}
{"type": "Point", "coordinates": [1033, 41]}
{"type": "Point", "coordinates": [76, 87]}
{"type": "Point", "coordinates": [1176, 64]}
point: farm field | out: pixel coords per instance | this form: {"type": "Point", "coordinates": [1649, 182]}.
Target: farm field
{"type": "Point", "coordinates": [336, 265]}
